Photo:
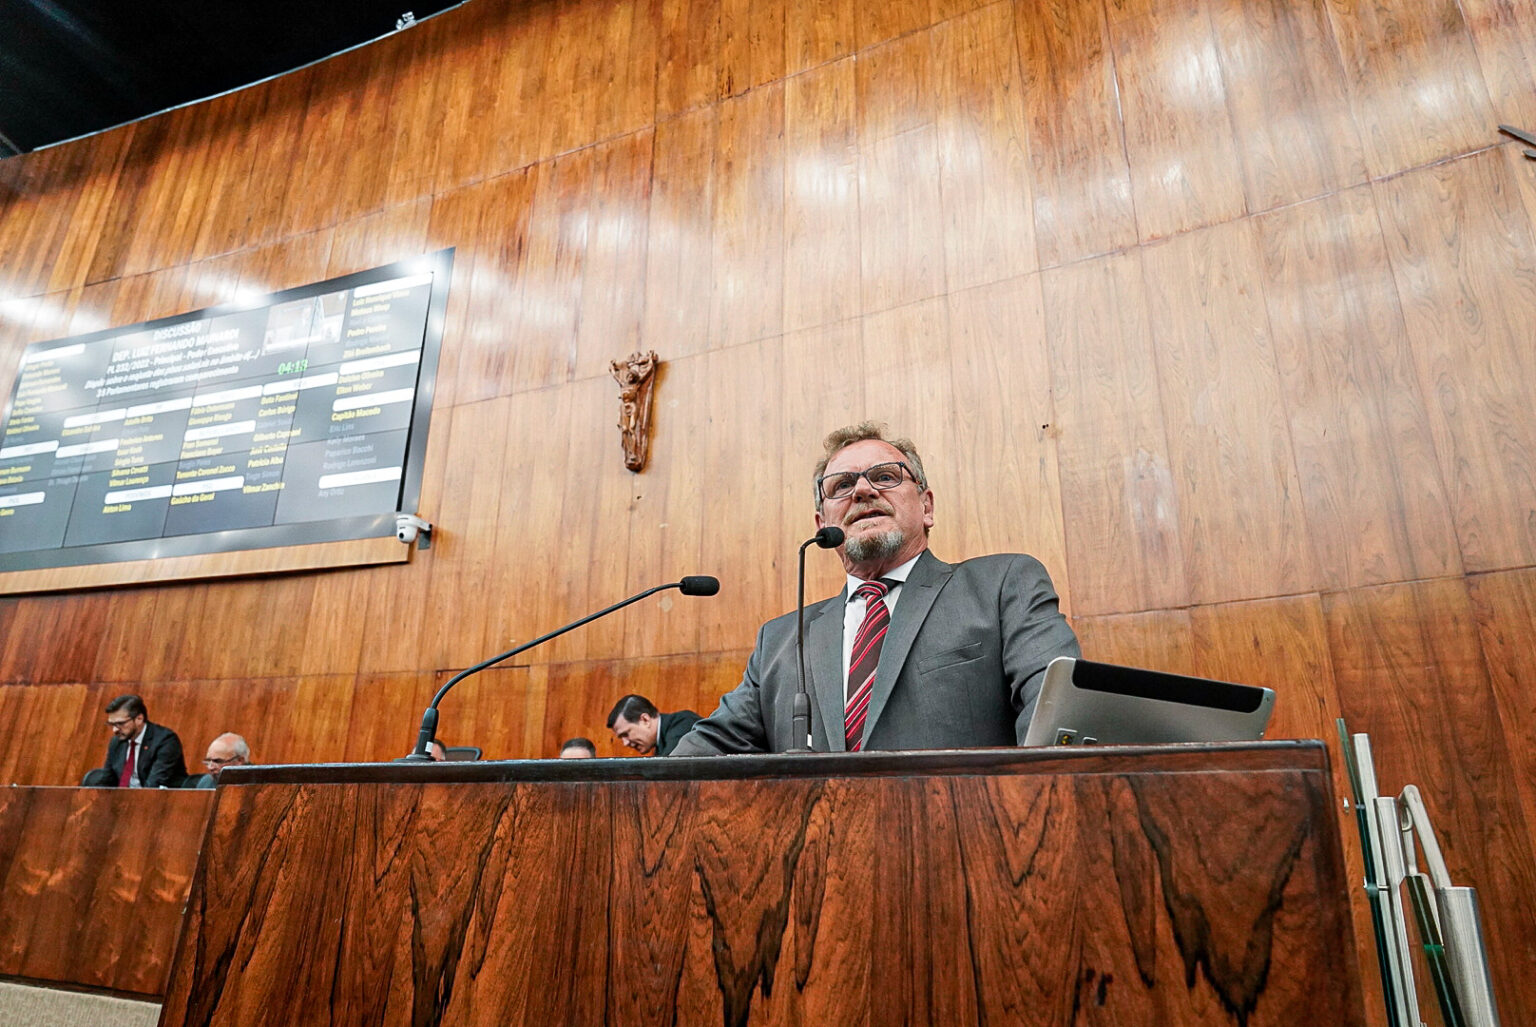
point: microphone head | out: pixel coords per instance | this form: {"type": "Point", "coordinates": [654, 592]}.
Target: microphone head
{"type": "Point", "coordinates": [699, 585]}
{"type": "Point", "coordinates": [829, 537]}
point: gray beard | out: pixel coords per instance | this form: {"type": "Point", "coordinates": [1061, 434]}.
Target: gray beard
{"type": "Point", "coordinates": [879, 546]}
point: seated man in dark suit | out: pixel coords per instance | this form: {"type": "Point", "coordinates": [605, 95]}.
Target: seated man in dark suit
{"type": "Point", "coordinates": [140, 754]}
{"type": "Point", "coordinates": [915, 653]}
{"type": "Point", "coordinates": [636, 722]}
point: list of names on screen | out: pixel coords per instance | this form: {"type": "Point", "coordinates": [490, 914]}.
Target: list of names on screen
{"type": "Point", "coordinates": [297, 411]}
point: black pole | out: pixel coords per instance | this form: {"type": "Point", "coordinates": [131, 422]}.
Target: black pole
{"type": "Point", "coordinates": [800, 723]}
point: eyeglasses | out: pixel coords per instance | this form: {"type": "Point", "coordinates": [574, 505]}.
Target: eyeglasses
{"type": "Point", "coordinates": [884, 477]}
{"type": "Point", "coordinates": [120, 723]}
{"type": "Point", "coordinates": [217, 761]}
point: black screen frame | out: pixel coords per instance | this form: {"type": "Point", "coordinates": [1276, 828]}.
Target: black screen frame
{"type": "Point", "coordinates": [344, 529]}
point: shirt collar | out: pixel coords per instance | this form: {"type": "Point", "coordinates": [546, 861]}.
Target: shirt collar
{"type": "Point", "coordinates": [897, 575]}
{"type": "Point", "coordinates": [139, 738]}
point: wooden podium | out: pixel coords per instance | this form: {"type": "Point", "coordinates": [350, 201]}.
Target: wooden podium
{"type": "Point", "coordinates": [1180, 885]}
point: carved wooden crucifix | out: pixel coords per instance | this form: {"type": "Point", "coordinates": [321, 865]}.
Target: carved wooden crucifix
{"type": "Point", "coordinates": [636, 375]}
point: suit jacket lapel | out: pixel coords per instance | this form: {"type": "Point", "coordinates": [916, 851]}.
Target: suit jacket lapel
{"type": "Point", "coordinates": [917, 595]}
{"type": "Point", "coordinates": [824, 667]}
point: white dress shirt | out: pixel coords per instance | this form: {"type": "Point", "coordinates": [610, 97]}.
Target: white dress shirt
{"type": "Point", "coordinates": [136, 746]}
{"type": "Point", "coordinates": [853, 612]}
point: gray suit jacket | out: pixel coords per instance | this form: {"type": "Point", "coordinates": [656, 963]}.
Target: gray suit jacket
{"type": "Point", "coordinates": [960, 667]}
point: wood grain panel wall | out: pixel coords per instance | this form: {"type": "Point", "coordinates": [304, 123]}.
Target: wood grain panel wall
{"type": "Point", "coordinates": [1221, 308]}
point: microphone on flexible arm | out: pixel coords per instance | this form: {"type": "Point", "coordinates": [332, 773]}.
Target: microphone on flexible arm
{"type": "Point", "coordinates": [800, 727]}
{"type": "Point", "coordinates": [691, 585]}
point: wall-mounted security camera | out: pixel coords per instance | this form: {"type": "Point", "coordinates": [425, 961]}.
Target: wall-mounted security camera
{"type": "Point", "coordinates": [409, 527]}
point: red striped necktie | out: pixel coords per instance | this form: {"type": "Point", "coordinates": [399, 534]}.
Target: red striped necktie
{"type": "Point", "coordinates": [865, 659]}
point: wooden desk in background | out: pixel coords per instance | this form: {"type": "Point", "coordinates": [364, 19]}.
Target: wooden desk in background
{"type": "Point", "coordinates": [93, 882]}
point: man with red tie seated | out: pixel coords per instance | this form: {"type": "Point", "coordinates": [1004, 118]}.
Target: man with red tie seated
{"type": "Point", "coordinates": [140, 754]}
{"type": "Point", "coordinates": [915, 653]}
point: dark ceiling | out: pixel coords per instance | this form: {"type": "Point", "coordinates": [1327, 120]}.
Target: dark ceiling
{"type": "Point", "coordinates": [72, 67]}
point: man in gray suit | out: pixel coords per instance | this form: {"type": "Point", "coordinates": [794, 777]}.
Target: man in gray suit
{"type": "Point", "coordinates": [915, 653]}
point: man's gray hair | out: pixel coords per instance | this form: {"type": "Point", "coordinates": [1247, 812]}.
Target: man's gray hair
{"type": "Point", "coordinates": [864, 431]}
{"type": "Point", "coordinates": [237, 745]}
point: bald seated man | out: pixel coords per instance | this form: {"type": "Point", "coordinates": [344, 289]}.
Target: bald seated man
{"type": "Point", "coordinates": [915, 653]}
{"type": "Point", "coordinates": [227, 750]}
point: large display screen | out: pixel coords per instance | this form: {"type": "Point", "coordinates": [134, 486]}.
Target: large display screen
{"type": "Point", "coordinates": [301, 419]}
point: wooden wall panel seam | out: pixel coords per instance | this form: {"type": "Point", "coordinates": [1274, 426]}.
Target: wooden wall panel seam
{"type": "Point", "coordinates": [1222, 63]}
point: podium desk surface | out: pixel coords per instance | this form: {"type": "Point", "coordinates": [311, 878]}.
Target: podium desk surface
{"type": "Point", "coordinates": [1196, 757]}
